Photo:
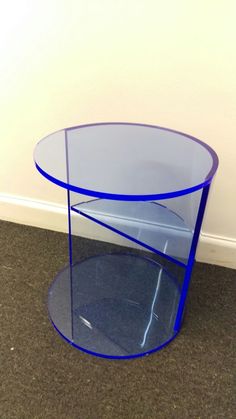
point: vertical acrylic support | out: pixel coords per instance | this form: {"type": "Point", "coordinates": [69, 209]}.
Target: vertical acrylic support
{"type": "Point", "coordinates": [191, 259]}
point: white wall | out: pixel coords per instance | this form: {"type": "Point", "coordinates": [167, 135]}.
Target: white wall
{"type": "Point", "coordinates": [170, 63]}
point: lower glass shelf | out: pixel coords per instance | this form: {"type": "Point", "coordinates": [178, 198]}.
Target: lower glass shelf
{"type": "Point", "coordinates": [148, 224]}
{"type": "Point", "coordinates": [115, 305]}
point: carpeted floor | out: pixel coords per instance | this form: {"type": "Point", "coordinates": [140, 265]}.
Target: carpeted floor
{"type": "Point", "coordinates": [43, 377]}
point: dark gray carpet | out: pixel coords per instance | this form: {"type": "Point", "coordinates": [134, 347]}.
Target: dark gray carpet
{"type": "Point", "coordinates": [43, 377]}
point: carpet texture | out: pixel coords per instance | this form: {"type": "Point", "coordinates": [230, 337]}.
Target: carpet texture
{"type": "Point", "coordinates": [43, 377]}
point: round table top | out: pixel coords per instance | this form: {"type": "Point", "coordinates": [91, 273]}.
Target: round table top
{"type": "Point", "coordinates": [126, 161]}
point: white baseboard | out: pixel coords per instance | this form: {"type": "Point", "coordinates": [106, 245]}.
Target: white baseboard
{"type": "Point", "coordinates": [212, 249]}
{"type": "Point", "coordinates": [34, 213]}
{"type": "Point", "coordinates": [217, 250]}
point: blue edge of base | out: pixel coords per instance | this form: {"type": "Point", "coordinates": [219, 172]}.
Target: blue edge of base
{"type": "Point", "coordinates": [111, 356]}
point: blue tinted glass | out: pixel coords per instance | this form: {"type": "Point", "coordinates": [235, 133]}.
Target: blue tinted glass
{"type": "Point", "coordinates": [125, 161]}
{"type": "Point", "coordinates": [145, 188]}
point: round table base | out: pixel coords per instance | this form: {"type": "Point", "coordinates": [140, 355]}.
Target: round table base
{"type": "Point", "coordinates": [115, 305]}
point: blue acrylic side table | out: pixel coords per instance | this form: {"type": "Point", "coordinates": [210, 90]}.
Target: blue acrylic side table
{"type": "Point", "coordinates": [147, 186]}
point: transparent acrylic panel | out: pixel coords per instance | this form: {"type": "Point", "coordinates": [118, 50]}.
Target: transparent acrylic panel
{"type": "Point", "coordinates": [125, 161]}
{"type": "Point", "coordinates": [115, 301]}
{"type": "Point", "coordinates": [100, 239]}
{"type": "Point", "coordinates": [149, 224]}
{"type": "Point", "coordinates": [185, 206]}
